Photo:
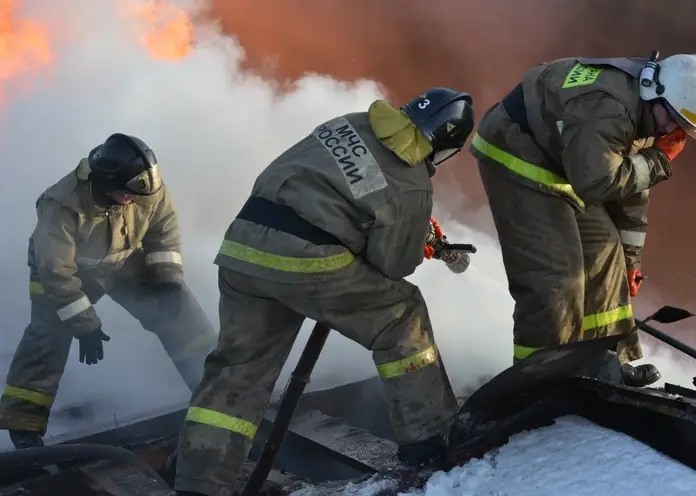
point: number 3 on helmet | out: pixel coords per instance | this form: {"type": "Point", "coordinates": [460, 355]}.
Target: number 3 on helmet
{"type": "Point", "coordinates": [446, 119]}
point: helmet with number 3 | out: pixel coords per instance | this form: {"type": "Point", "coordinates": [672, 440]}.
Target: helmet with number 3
{"type": "Point", "coordinates": [445, 117]}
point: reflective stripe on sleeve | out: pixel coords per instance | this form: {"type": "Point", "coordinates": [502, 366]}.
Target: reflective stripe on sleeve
{"type": "Point", "coordinates": [73, 309]}
{"type": "Point", "coordinates": [414, 362]}
{"type": "Point", "coordinates": [221, 421]}
{"type": "Point", "coordinates": [17, 393]}
{"type": "Point", "coordinates": [633, 238]}
{"type": "Point", "coordinates": [642, 170]}
{"type": "Point", "coordinates": [163, 257]}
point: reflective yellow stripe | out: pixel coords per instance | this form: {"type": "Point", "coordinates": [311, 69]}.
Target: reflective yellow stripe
{"type": "Point", "coordinates": [221, 421]}
{"type": "Point", "coordinates": [35, 397]}
{"type": "Point", "coordinates": [409, 364]}
{"type": "Point", "coordinates": [521, 352]}
{"type": "Point", "coordinates": [286, 264]}
{"type": "Point", "coordinates": [595, 320]}
{"type": "Point", "coordinates": [526, 169]}
{"type": "Point", "coordinates": [35, 288]}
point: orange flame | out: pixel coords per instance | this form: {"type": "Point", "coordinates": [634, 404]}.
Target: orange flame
{"type": "Point", "coordinates": [25, 46]}
{"type": "Point", "coordinates": [169, 33]}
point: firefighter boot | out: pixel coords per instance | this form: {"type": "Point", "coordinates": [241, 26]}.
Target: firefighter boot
{"type": "Point", "coordinates": [429, 452]}
{"type": "Point", "coordinates": [640, 375]}
{"type": "Point", "coordinates": [25, 439]}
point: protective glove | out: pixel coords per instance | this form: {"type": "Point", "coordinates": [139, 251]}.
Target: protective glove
{"type": "Point", "coordinates": [434, 237]}
{"type": "Point", "coordinates": [91, 348]}
{"type": "Point", "coordinates": [635, 280]}
{"type": "Point", "coordinates": [671, 144]}
{"type": "Point", "coordinates": [456, 260]}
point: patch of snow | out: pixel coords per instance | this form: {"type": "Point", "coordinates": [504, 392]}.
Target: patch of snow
{"type": "Point", "coordinates": [573, 457]}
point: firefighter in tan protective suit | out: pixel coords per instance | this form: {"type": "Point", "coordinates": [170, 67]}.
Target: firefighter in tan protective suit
{"type": "Point", "coordinates": [331, 229]}
{"type": "Point", "coordinates": [108, 227]}
{"type": "Point", "coordinates": [567, 160]}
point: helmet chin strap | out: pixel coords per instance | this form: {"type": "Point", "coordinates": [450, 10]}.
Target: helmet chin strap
{"type": "Point", "coordinates": [430, 166]}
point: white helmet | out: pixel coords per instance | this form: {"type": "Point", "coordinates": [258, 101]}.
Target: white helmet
{"type": "Point", "coordinates": [675, 83]}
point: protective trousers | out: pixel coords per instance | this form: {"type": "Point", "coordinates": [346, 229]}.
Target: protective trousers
{"type": "Point", "coordinates": [259, 321]}
{"type": "Point", "coordinates": [565, 268]}
{"type": "Point", "coordinates": [39, 360]}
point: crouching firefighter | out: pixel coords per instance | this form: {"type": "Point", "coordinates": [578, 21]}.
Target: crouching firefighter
{"type": "Point", "coordinates": [567, 160]}
{"type": "Point", "coordinates": [332, 227]}
{"type": "Point", "coordinates": [108, 227]}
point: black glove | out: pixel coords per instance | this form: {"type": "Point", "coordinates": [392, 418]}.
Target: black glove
{"type": "Point", "coordinates": [91, 348]}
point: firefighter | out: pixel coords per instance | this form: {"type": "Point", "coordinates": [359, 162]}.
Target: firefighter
{"type": "Point", "coordinates": [107, 227]}
{"type": "Point", "coordinates": [331, 228]}
{"type": "Point", "coordinates": [567, 160]}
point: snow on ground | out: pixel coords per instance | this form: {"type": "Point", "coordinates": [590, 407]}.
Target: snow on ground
{"type": "Point", "coordinates": [573, 457]}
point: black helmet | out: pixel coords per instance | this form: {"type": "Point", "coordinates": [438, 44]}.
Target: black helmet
{"type": "Point", "coordinates": [124, 163]}
{"type": "Point", "coordinates": [445, 117]}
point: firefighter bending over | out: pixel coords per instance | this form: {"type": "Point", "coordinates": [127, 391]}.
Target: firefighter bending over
{"type": "Point", "coordinates": [108, 227]}
{"type": "Point", "coordinates": [332, 227]}
{"type": "Point", "coordinates": [567, 160]}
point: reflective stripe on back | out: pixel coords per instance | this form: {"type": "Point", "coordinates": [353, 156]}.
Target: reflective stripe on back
{"type": "Point", "coordinates": [526, 169]}
{"type": "Point", "coordinates": [352, 157]}
{"type": "Point", "coordinates": [286, 264]}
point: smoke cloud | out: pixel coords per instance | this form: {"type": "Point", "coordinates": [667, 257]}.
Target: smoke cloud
{"type": "Point", "coordinates": [483, 47]}
{"type": "Point", "coordinates": [216, 112]}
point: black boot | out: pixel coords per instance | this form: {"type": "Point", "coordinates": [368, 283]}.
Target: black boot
{"type": "Point", "coordinates": [640, 375]}
{"type": "Point", "coordinates": [25, 439]}
{"type": "Point", "coordinates": [188, 493]}
{"type": "Point", "coordinates": [429, 452]}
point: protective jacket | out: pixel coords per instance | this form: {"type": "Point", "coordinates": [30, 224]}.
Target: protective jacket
{"type": "Point", "coordinates": [76, 243]}
{"type": "Point", "coordinates": [336, 194]}
{"type": "Point", "coordinates": [585, 135]}
{"type": "Point", "coordinates": [331, 229]}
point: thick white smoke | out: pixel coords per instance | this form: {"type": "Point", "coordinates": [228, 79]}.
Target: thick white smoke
{"type": "Point", "coordinates": [213, 129]}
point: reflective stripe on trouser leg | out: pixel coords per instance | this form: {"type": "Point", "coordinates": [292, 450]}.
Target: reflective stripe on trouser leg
{"type": "Point", "coordinates": [607, 305]}
{"type": "Point", "coordinates": [256, 335]}
{"type": "Point", "coordinates": [24, 409]}
{"type": "Point", "coordinates": [221, 421]}
{"type": "Point", "coordinates": [35, 372]}
{"type": "Point", "coordinates": [543, 259]}
{"type": "Point", "coordinates": [420, 398]}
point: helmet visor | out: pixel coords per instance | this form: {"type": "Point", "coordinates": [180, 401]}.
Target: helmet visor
{"type": "Point", "coordinates": [146, 183]}
{"type": "Point", "coordinates": [442, 155]}
{"type": "Point", "coordinates": [687, 126]}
